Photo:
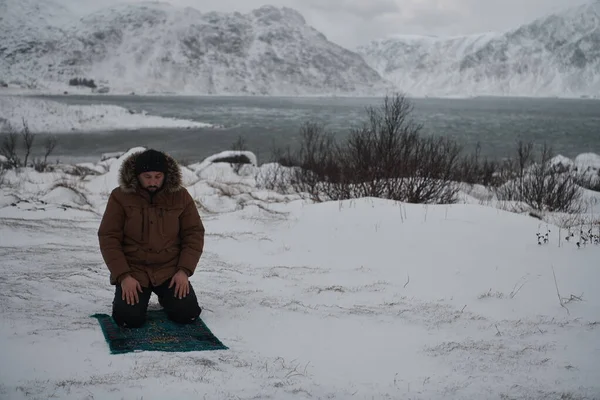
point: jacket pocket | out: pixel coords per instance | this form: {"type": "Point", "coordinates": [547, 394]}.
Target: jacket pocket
{"type": "Point", "coordinates": [130, 249]}
{"type": "Point", "coordinates": [165, 258]}
{"type": "Point", "coordinates": [132, 254]}
{"type": "Point", "coordinates": [169, 222]}
{"type": "Point", "coordinates": [134, 223]}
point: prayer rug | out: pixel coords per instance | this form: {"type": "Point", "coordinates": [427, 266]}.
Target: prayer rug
{"type": "Point", "coordinates": [158, 334]}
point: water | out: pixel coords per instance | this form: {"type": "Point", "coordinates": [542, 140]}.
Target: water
{"type": "Point", "coordinates": [571, 127]}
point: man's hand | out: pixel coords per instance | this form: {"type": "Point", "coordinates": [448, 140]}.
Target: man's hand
{"type": "Point", "coordinates": [130, 287]}
{"type": "Point", "coordinates": [182, 285]}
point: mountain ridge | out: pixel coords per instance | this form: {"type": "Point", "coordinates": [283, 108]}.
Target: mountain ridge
{"type": "Point", "coordinates": [154, 47]}
{"type": "Point", "coordinates": [554, 55]}
{"type": "Point", "coordinates": [160, 48]}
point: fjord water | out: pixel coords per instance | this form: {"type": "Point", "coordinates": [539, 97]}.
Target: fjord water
{"type": "Point", "coordinates": [570, 126]}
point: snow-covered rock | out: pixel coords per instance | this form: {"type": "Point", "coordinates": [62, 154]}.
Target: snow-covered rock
{"type": "Point", "coordinates": [557, 55]}
{"type": "Point", "coordinates": [159, 48]}
{"type": "Point", "coordinates": [588, 162]}
{"type": "Point", "coordinates": [562, 161]}
{"type": "Point", "coordinates": [228, 154]}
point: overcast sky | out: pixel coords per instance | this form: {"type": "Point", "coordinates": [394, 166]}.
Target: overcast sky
{"type": "Point", "coordinates": [354, 22]}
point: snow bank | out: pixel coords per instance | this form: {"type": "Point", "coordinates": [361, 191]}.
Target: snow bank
{"type": "Point", "coordinates": [587, 162]}
{"type": "Point", "coordinates": [361, 299]}
{"type": "Point", "coordinates": [221, 187]}
{"type": "Point", "coordinates": [54, 117]}
{"type": "Point", "coordinates": [65, 196]}
{"type": "Point", "coordinates": [106, 182]}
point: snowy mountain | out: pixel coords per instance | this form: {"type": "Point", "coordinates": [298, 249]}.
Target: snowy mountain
{"type": "Point", "coordinates": [156, 47]}
{"type": "Point", "coordinates": [558, 55]}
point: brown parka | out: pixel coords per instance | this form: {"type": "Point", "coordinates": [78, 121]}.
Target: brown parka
{"type": "Point", "coordinates": [150, 237]}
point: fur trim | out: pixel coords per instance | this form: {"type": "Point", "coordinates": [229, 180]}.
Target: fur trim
{"type": "Point", "coordinates": [129, 183]}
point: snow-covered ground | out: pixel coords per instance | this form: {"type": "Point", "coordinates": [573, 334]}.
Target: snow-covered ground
{"type": "Point", "coordinates": [362, 299]}
{"type": "Point", "coordinates": [51, 116]}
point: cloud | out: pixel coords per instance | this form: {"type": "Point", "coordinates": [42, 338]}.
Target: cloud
{"type": "Point", "coordinates": [429, 17]}
{"type": "Point", "coordinates": [361, 9]}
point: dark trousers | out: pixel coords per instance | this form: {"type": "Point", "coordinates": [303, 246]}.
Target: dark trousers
{"type": "Point", "coordinates": [183, 311]}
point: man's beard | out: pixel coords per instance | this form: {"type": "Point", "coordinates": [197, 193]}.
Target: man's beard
{"type": "Point", "coordinates": [152, 188]}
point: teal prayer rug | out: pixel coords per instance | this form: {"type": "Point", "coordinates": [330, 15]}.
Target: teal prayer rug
{"type": "Point", "coordinates": [158, 334]}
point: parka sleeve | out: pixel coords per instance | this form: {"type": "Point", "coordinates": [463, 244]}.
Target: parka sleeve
{"type": "Point", "coordinates": [192, 236]}
{"type": "Point", "coordinates": [110, 236]}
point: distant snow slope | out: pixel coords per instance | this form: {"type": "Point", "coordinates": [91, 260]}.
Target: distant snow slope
{"type": "Point", "coordinates": [558, 55]}
{"type": "Point", "coordinates": [156, 47]}
{"type": "Point", "coordinates": [51, 116]}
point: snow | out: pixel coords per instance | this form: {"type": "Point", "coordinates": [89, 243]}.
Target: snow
{"type": "Point", "coordinates": [585, 165]}
{"type": "Point", "coordinates": [362, 299]}
{"type": "Point", "coordinates": [198, 168]}
{"type": "Point", "coordinates": [51, 116]}
{"type": "Point", "coordinates": [65, 196]}
{"type": "Point", "coordinates": [563, 161]}
{"type": "Point", "coordinates": [588, 162]}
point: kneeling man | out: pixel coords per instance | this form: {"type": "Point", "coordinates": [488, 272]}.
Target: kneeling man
{"type": "Point", "coordinates": [151, 238]}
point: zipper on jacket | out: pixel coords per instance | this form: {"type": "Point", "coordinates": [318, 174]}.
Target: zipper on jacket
{"type": "Point", "coordinates": [143, 224]}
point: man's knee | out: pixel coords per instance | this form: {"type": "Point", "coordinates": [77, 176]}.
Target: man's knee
{"type": "Point", "coordinates": [184, 312]}
{"type": "Point", "coordinates": [129, 316]}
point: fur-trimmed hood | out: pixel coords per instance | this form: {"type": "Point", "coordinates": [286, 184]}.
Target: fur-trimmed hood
{"type": "Point", "coordinates": [129, 183]}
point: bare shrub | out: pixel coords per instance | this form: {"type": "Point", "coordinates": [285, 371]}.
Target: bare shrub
{"type": "Point", "coordinates": [316, 161]}
{"type": "Point", "coordinates": [429, 178]}
{"type": "Point", "coordinates": [385, 158]}
{"type": "Point", "coordinates": [28, 139]}
{"type": "Point", "coordinates": [81, 172]}
{"type": "Point", "coordinates": [474, 169]}
{"type": "Point", "coordinates": [9, 149]}
{"type": "Point", "coordinates": [82, 82]}
{"type": "Point", "coordinates": [588, 181]}
{"type": "Point", "coordinates": [41, 165]}
{"type": "Point", "coordinates": [276, 177]}
{"type": "Point", "coordinates": [377, 156]}
{"type": "Point", "coordinates": [238, 161]}
{"type": "Point", "coordinates": [388, 157]}
{"type": "Point", "coordinates": [2, 175]}
{"type": "Point", "coordinates": [540, 184]}
{"type": "Point", "coordinates": [304, 170]}
{"type": "Point", "coordinates": [10, 143]}
{"type": "Point", "coordinates": [239, 144]}
{"type": "Point", "coordinates": [49, 146]}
